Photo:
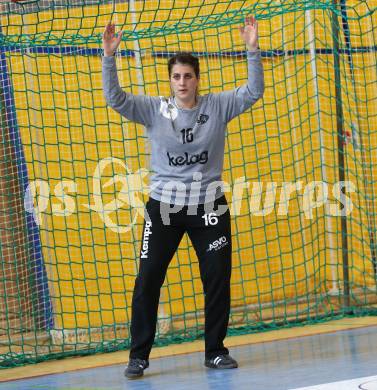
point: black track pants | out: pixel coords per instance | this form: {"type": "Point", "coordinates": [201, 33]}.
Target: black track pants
{"type": "Point", "coordinates": [210, 234]}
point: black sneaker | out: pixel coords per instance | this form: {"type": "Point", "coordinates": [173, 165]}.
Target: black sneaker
{"type": "Point", "coordinates": [221, 362]}
{"type": "Point", "coordinates": [135, 368]}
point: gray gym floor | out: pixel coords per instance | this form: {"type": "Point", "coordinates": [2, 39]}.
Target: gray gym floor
{"type": "Point", "coordinates": [284, 364]}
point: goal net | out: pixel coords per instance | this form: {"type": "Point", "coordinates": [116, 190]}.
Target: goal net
{"type": "Point", "coordinates": [298, 168]}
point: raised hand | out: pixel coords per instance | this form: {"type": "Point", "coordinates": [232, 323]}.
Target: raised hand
{"type": "Point", "coordinates": [249, 33]}
{"type": "Point", "coordinates": [110, 41]}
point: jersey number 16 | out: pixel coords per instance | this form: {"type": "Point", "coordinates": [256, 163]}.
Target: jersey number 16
{"type": "Point", "coordinates": [187, 135]}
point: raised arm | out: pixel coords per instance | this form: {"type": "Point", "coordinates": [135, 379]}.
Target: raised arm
{"type": "Point", "coordinates": [137, 108]}
{"type": "Point", "coordinates": [235, 102]}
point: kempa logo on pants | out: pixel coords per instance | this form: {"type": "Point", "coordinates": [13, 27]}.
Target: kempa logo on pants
{"type": "Point", "coordinates": [147, 233]}
{"type": "Point", "coordinates": [217, 244]}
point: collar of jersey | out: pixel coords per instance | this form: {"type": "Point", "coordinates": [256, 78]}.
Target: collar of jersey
{"type": "Point", "coordinates": [187, 109]}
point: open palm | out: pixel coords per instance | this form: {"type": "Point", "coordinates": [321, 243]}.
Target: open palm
{"type": "Point", "coordinates": [249, 32]}
{"type": "Point", "coordinates": [110, 41]}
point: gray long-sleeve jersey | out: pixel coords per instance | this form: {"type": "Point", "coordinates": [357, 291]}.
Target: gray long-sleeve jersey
{"type": "Point", "coordinates": [187, 145]}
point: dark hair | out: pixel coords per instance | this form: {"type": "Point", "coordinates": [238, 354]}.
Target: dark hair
{"type": "Point", "coordinates": [184, 58]}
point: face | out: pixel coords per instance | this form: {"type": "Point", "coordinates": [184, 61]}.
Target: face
{"type": "Point", "coordinates": [184, 83]}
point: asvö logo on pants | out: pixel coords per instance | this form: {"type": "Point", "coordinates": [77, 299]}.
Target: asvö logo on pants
{"type": "Point", "coordinates": [217, 244]}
